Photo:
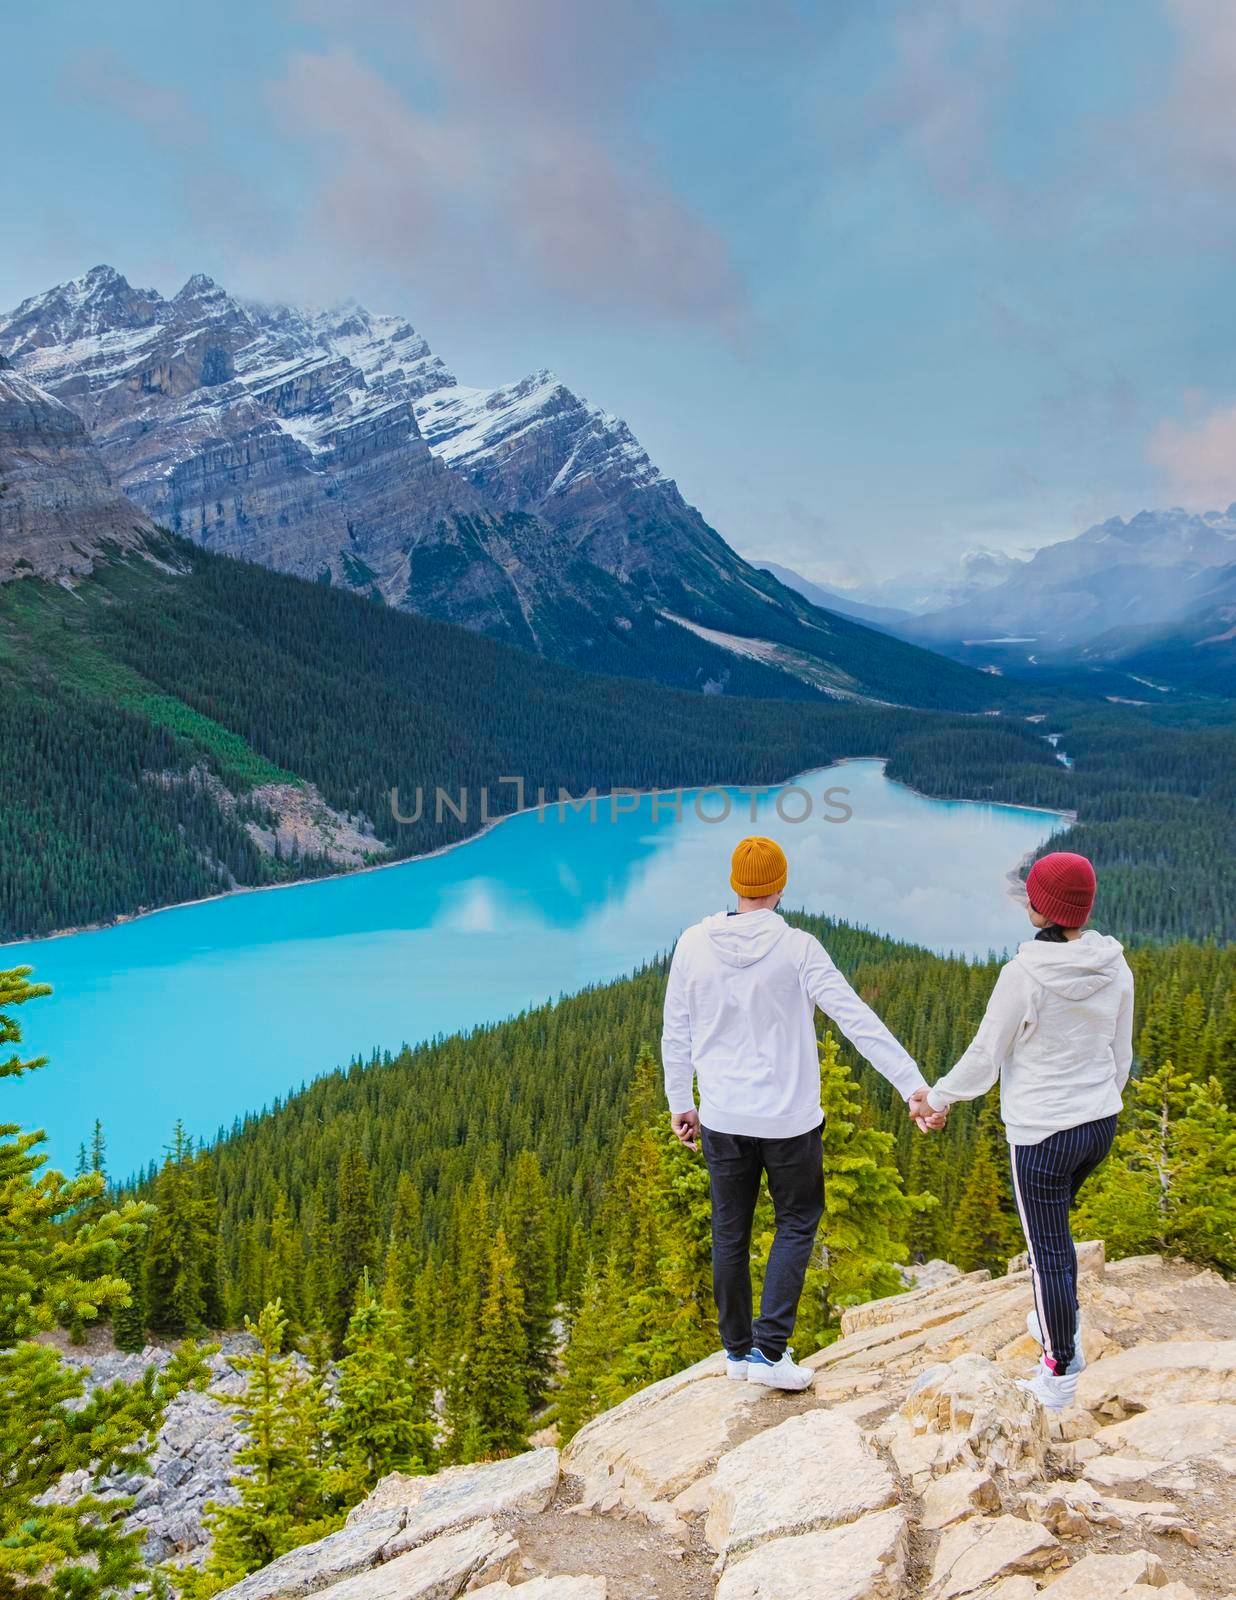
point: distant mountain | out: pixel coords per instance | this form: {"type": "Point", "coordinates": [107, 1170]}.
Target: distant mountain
{"type": "Point", "coordinates": [1157, 583]}
{"type": "Point", "coordinates": [336, 445]}
{"type": "Point", "coordinates": [833, 600]}
{"type": "Point", "coordinates": [1196, 652]}
{"type": "Point", "coordinates": [932, 588]}
{"type": "Point", "coordinates": [59, 511]}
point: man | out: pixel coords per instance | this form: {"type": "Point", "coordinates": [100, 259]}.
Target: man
{"type": "Point", "coordinates": [740, 1018]}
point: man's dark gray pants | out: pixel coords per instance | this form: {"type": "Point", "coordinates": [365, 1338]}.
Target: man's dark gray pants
{"type": "Point", "coordinates": [795, 1169]}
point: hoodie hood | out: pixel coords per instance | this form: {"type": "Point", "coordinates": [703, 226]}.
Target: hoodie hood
{"type": "Point", "coordinates": [746, 937]}
{"type": "Point", "coordinates": [1076, 969]}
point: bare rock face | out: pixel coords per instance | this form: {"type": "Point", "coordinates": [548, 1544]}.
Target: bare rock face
{"type": "Point", "coordinates": [967, 1414]}
{"type": "Point", "coordinates": [814, 1471]}
{"type": "Point", "coordinates": [59, 510]}
{"type": "Point", "coordinates": [1156, 1374]}
{"type": "Point", "coordinates": [972, 1555]}
{"type": "Point", "coordinates": [864, 1560]}
{"type": "Point", "coordinates": [457, 1495]}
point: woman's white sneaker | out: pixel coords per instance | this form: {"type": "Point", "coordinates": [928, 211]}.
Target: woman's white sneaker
{"type": "Point", "coordinates": [1056, 1393]}
{"type": "Point", "coordinates": [1035, 1330]}
{"type": "Point", "coordinates": [783, 1374]}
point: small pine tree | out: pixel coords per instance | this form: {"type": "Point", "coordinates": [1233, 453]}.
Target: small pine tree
{"type": "Point", "coordinates": [525, 1220]}
{"type": "Point", "coordinates": [182, 1292]}
{"type": "Point", "coordinates": [379, 1426]}
{"type": "Point", "coordinates": [491, 1410]}
{"type": "Point", "coordinates": [984, 1234]}
{"type": "Point", "coordinates": [55, 1266]}
{"type": "Point", "coordinates": [867, 1213]}
{"type": "Point", "coordinates": [129, 1317]}
{"type": "Point", "coordinates": [592, 1381]}
{"type": "Point", "coordinates": [354, 1238]}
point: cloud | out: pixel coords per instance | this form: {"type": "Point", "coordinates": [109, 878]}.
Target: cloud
{"type": "Point", "coordinates": [531, 172]}
{"type": "Point", "coordinates": [952, 65]}
{"type": "Point", "coordinates": [1198, 459]}
{"type": "Point", "coordinates": [508, 189]}
{"type": "Point", "coordinates": [103, 78]}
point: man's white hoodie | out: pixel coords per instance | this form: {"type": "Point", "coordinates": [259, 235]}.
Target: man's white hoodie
{"type": "Point", "coordinates": [1058, 1033]}
{"type": "Point", "coordinates": [740, 1017]}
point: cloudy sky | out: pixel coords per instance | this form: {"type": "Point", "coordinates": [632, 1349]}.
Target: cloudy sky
{"type": "Point", "coordinates": [876, 282]}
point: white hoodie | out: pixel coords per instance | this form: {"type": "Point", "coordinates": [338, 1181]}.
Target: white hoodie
{"type": "Point", "coordinates": [740, 1017]}
{"type": "Point", "coordinates": [1058, 1033]}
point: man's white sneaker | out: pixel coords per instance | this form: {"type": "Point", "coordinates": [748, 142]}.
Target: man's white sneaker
{"type": "Point", "coordinates": [783, 1374]}
{"type": "Point", "coordinates": [736, 1368]}
{"type": "Point", "coordinates": [1035, 1330]}
{"type": "Point", "coordinates": [1056, 1393]}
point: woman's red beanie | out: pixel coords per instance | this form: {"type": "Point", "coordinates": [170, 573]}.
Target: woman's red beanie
{"type": "Point", "coordinates": [1061, 886]}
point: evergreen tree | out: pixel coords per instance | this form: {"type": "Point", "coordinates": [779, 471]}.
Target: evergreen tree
{"type": "Point", "coordinates": [1168, 1183]}
{"type": "Point", "coordinates": [279, 1474]}
{"type": "Point", "coordinates": [984, 1234]}
{"type": "Point", "coordinates": [129, 1316]}
{"type": "Point", "coordinates": [380, 1425]}
{"type": "Point", "coordinates": [592, 1381]}
{"type": "Point", "coordinates": [526, 1224]}
{"type": "Point", "coordinates": [53, 1266]}
{"type": "Point", "coordinates": [867, 1214]}
{"type": "Point", "coordinates": [182, 1252]}
{"type": "Point", "coordinates": [491, 1406]}
{"type": "Point", "coordinates": [354, 1237]}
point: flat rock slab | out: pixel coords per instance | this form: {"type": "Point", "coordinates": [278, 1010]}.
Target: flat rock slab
{"type": "Point", "coordinates": [865, 1560]}
{"type": "Point", "coordinates": [653, 1451]}
{"type": "Point", "coordinates": [448, 1499]}
{"type": "Point", "coordinates": [316, 1566]}
{"type": "Point", "coordinates": [813, 1471]}
{"type": "Point", "coordinates": [958, 1495]}
{"type": "Point", "coordinates": [1099, 1577]}
{"type": "Point", "coordinates": [1173, 1372]}
{"type": "Point", "coordinates": [439, 1570]}
{"type": "Point", "coordinates": [978, 1552]}
{"type": "Point", "coordinates": [1173, 1433]}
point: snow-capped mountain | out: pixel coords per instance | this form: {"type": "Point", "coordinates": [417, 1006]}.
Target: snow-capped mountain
{"type": "Point", "coordinates": [337, 445]}
{"type": "Point", "coordinates": [1146, 571]}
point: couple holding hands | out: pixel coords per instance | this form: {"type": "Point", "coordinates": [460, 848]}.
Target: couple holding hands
{"type": "Point", "coordinates": [740, 1023]}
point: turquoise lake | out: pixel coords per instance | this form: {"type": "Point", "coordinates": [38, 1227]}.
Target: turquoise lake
{"type": "Point", "coordinates": [207, 1011]}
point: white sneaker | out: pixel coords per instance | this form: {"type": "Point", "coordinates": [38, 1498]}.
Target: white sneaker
{"type": "Point", "coordinates": [736, 1368]}
{"type": "Point", "coordinates": [783, 1374]}
{"type": "Point", "coordinates": [1056, 1393]}
{"type": "Point", "coordinates": [1035, 1330]}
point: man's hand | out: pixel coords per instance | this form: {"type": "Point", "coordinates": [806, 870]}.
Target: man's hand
{"type": "Point", "coordinates": [686, 1126]}
{"type": "Point", "coordinates": [923, 1114]}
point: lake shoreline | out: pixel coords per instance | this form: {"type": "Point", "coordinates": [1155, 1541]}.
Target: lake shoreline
{"type": "Point", "coordinates": [494, 822]}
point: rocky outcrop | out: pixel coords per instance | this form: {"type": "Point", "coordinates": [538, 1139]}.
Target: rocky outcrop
{"type": "Point", "coordinates": [59, 510]}
{"type": "Point", "coordinates": [914, 1469]}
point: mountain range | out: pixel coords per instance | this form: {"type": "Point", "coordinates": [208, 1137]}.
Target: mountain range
{"type": "Point", "coordinates": [1150, 598]}
{"type": "Point", "coordinates": [336, 445]}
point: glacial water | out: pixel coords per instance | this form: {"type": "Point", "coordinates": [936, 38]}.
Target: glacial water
{"type": "Point", "coordinates": [210, 1010]}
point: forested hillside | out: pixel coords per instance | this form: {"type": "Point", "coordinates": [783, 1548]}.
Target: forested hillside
{"type": "Point", "coordinates": [132, 704]}
{"type": "Point", "coordinates": [402, 1168]}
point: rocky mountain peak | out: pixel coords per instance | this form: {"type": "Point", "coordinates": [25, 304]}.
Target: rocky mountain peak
{"type": "Point", "coordinates": [59, 511]}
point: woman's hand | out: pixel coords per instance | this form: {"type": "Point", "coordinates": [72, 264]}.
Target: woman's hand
{"type": "Point", "coordinates": [923, 1114]}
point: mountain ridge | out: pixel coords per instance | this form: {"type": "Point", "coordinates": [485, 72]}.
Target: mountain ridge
{"type": "Point", "coordinates": [338, 446]}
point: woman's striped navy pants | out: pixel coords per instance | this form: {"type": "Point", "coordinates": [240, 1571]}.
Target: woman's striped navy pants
{"type": "Point", "coordinates": [1046, 1178]}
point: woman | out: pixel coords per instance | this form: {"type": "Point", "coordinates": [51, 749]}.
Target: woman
{"type": "Point", "coordinates": [1058, 1033]}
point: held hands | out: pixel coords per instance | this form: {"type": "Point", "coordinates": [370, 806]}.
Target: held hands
{"type": "Point", "coordinates": [686, 1126]}
{"type": "Point", "coordinates": [923, 1114]}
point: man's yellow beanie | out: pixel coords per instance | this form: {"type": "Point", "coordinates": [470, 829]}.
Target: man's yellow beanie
{"type": "Point", "coordinates": [758, 868]}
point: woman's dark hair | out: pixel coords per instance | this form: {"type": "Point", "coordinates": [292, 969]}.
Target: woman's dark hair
{"type": "Point", "coordinates": [1053, 933]}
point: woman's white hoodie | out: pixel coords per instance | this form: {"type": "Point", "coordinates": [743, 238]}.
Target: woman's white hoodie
{"type": "Point", "coordinates": [740, 1019]}
{"type": "Point", "coordinates": [1058, 1033]}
